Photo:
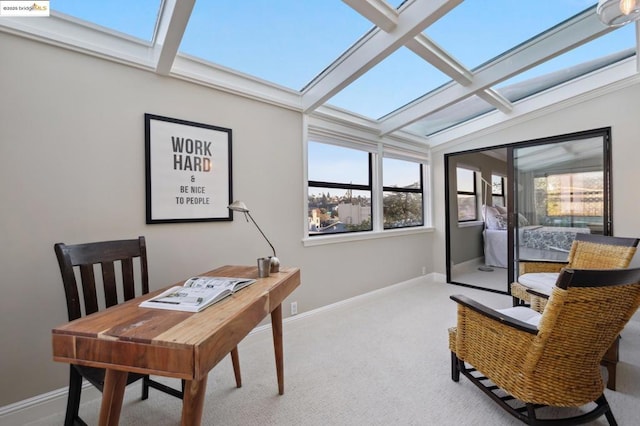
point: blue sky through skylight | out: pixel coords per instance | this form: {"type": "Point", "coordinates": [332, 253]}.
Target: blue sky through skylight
{"type": "Point", "coordinates": [136, 18]}
{"type": "Point", "coordinates": [290, 42]}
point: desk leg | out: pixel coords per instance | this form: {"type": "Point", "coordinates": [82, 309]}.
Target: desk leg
{"type": "Point", "coordinates": [193, 402]}
{"type": "Point", "coordinates": [276, 326]}
{"type": "Point", "coordinates": [235, 360]}
{"type": "Point", "coordinates": [112, 395]}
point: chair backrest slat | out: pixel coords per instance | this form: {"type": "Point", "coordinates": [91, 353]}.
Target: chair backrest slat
{"type": "Point", "coordinates": [109, 283]}
{"type": "Point", "coordinates": [117, 260]}
{"type": "Point", "coordinates": [128, 283]}
{"type": "Point", "coordinates": [89, 288]}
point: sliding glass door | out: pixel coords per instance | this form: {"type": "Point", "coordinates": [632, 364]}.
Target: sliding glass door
{"type": "Point", "coordinates": [523, 201]}
{"type": "Point", "coordinates": [561, 188]}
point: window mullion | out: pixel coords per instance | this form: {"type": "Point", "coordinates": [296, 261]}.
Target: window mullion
{"type": "Point", "coordinates": [376, 184]}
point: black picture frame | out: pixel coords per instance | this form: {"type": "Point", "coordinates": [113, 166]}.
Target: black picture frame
{"type": "Point", "coordinates": [188, 171]}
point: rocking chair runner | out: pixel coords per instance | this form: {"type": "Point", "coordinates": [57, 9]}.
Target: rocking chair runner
{"type": "Point", "coordinates": [548, 359]}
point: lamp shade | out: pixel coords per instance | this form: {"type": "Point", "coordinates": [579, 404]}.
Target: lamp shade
{"type": "Point", "coordinates": [616, 13]}
{"type": "Point", "coordinates": [238, 206]}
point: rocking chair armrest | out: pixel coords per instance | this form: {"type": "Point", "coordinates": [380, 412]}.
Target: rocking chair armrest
{"type": "Point", "coordinates": [538, 293]}
{"type": "Point", "coordinates": [493, 314]}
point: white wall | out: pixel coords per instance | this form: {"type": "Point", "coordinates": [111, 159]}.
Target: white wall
{"type": "Point", "coordinates": [616, 109]}
{"type": "Point", "coordinates": [72, 170]}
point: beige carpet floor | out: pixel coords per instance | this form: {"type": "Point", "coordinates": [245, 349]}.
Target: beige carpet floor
{"type": "Point", "coordinates": [380, 361]}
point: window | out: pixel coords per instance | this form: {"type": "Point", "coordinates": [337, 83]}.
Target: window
{"type": "Point", "coordinates": [402, 193]}
{"type": "Point", "coordinates": [361, 186]}
{"type": "Point", "coordinates": [570, 199]}
{"type": "Point", "coordinates": [339, 194]}
{"type": "Point", "coordinates": [467, 195]}
{"type": "Point", "coordinates": [497, 191]}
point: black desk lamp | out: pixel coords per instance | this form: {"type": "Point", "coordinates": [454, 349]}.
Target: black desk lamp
{"type": "Point", "coordinates": [239, 206]}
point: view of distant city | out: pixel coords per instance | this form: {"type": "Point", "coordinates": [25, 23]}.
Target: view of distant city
{"type": "Point", "coordinates": [349, 211]}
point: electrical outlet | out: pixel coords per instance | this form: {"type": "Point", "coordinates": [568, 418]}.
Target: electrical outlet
{"type": "Point", "coordinates": [424, 270]}
{"type": "Point", "coordinates": [294, 308]}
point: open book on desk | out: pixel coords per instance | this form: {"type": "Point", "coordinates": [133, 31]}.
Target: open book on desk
{"type": "Point", "coordinates": [197, 293]}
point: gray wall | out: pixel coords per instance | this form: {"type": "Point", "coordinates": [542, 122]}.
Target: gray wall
{"type": "Point", "coordinates": [72, 170]}
{"type": "Point", "coordinates": [466, 241]}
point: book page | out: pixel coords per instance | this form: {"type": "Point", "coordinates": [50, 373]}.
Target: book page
{"type": "Point", "coordinates": [232, 284]}
{"type": "Point", "coordinates": [187, 298]}
{"type": "Point", "coordinates": [197, 293]}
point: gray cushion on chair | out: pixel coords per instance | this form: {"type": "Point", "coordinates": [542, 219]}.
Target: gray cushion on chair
{"type": "Point", "coordinates": [523, 314]}
{"type": "Point", "coordinates": [542, 282]}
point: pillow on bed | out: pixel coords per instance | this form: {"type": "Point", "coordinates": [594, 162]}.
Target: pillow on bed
{"type": "Point", "coordinates": [501, 221]}
{"type": "Point", "coordinates": [490, 215]}
{"type": "Point", "coordinates": [522, 220]}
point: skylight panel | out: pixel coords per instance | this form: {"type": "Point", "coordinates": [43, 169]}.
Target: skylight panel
{"type": "Point", "coordinates": [284, 42]}
{"type": "Point", "coordinates": [477, 31]}
{"type": "Point", "coordinates": [135, 18]}
{"type": "Point", "coordinates": [596, 54]}
{"type": "Point", "coordinates": [457, 113]}
{"type": "Point", "coordinates": [394, 82]}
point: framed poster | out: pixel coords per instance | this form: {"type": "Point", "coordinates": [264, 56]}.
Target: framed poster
{"type": "Point", "coordinates": [188, 171]}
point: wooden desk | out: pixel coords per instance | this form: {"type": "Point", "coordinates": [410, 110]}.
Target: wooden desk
{"type": "Point", "coordinates": [126, 338]}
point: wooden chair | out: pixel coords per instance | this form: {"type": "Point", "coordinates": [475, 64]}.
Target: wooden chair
{"type": "Point", "coordinates": [588, 251]}
{"type": "Point", "coordinates": [118, 284]}
{"type": "Point", "coordinates": [526, 360]}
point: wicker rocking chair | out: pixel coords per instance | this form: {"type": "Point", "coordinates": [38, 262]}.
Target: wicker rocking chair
{"type": "Point", "coordinates": [550, 359]}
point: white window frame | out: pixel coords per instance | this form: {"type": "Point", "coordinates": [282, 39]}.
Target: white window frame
{"type": "Point", "coordinates": [378, 149]}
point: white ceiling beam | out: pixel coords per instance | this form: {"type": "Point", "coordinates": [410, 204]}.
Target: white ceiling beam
{"type": "Point", "coordinates": [65, 31]}
{"type": "Point", "coordinates": [379, 12]}
{"type": "Point", "coordinates": [428, 50]}
{"type": "Point", "coordinates": [208, 74]}
{"type": "Point", "coordinates": [573, 33]}
{"type": "Point", "coordinates": [172, 22]}
{"type": "Point", "coordinates": [372, 49]}
{"type": "Point", "coordinates": [496, 99]}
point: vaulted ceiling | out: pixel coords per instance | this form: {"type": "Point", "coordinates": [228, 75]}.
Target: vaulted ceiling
{"type": "Point", "coordinates": [424, 70]}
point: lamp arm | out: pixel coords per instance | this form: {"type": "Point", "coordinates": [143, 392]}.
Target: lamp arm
{"type": "Point", "coordinates": [265, 237]}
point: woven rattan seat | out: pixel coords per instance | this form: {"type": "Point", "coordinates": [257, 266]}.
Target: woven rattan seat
{"type": "Point", "coordinates": [530, 370]}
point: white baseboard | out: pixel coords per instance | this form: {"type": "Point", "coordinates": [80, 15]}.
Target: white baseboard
{"type": "Point", "coordinates": [38, 407]}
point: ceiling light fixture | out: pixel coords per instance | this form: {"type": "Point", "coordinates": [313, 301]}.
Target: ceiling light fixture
{"type": "Point", "coordinates": [616, 13]}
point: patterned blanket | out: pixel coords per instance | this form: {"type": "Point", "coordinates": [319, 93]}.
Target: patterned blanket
{"type": "Point", "coordinates": [550, 237]}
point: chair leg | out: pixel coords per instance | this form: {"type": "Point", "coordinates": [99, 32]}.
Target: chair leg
{"type": "Point", "coordinates": [610, 361]}
{"type": "Point", "coordinates": [531, 414]}
{"type": "Point", "coordinates": [518, 302]}
{"type": "Point", "coordinates": [235, 360]}
{"type": "Point", "coordinates": [610, 418]}
{"type": "Point", "coordinates": [455, 367]}
{"type": "Point", "coordinates": [73, 400]}
{"type": "Point", "coordinates": [608, 414]}
{"type": "Point", "coordinates": [145, 388]}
